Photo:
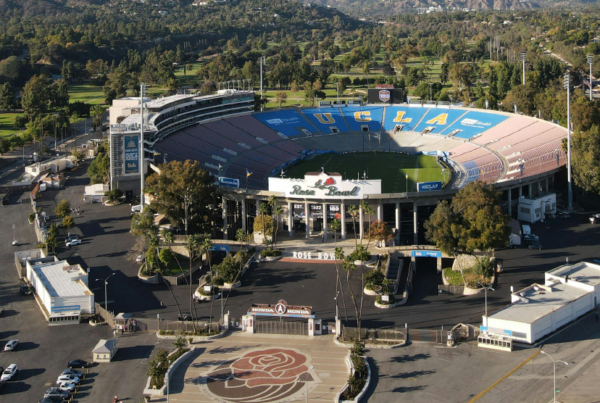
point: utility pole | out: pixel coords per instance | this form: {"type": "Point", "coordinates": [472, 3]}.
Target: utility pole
{"type": "Point", "coordinates": [567, 84]}
{"type": "Point", "coordinates": [141, 150]}
{"type": "Point", "coordinates": [590, 60]}
{"type": "Point", "coordinates": [523, 59]}
{"type": "Point", "coordinates": [261, 61]}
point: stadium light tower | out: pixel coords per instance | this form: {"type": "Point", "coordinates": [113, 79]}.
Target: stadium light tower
{"type": "Point", "coordinates": [261, 61]}
{"type": "Point", "coordinates": [523, 59]}
{"type": "Point", "coordinates": [141, 150]}
{"type": "Point", "coordinates": [567, 84]}
{"type": "Point", "coordinates": [590, 60]}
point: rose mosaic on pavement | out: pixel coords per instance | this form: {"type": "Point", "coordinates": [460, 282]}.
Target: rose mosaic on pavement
{"type": "Point", "coordinates": [267, 375]}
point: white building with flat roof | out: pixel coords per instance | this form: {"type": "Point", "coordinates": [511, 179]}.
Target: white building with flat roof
{"type": "Point", "coordinates": [62, 291]}
{"type": "Point", "coordinates": [570, 291]}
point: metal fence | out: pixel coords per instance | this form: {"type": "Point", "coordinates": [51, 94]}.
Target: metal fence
{"type": "Point", "coordinates": [391, 334]}
{"type": "Point", "coordinates": [106, 315]}
{"type": "Point", "coordinates": [426, 336]}
{"type": "Point", "coordinates": [276, 327]}
{"type": "Point", "coordinates": [175, 326]}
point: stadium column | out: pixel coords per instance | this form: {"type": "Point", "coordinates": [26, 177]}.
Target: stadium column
{"type": "Point", "coordinates": [530, 190]}
{"type": "Point", "coordinates": [415, 222]}
{"type": "Point", "coordinates": [398, 221]}
{"type": "Point", "coordinates": [343, 217]}
{"type": "Point", "coordinates": [361, 224]}
{"type": "Point", "coordinates": [307, 219]}
{"type": "Point", "coordinates": [324, 221]}
{"type": "Point", "coordinates": [510, 202]}
{"type": "Point", "coordinates": [244, 215]}
{"type": "Point", "coordinates": [224, 218]}
{"type": "Point", "coordinates": [290, 219]}
{"type": "Point", "coordinates": [380, 211]}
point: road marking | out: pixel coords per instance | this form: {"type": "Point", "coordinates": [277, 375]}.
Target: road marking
{"type": "Point", "coordinates": [509, 373]}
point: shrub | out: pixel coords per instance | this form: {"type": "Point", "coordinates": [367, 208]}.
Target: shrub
{"type": "Point", "coordinates": [382, 302]}
{"type": "Point", "coordinates": [270, 253]}
{"type": "Point", "coordinates": [484, 267]}
{"type": "Point", "coordinates": [31, 217]}
{"type": "Point", "coordinates": [374, 278]}
{"type": "Point", "coordinates": [228, 269]}
{"type": "Point", "coordinates": [258, 224]}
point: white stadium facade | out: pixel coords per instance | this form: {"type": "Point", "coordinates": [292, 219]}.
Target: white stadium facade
{"type": "Point", "coordinates": [520, 155]}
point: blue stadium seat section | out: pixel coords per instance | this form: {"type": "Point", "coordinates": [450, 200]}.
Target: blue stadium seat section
{"type": "Point", "coordinates": [403, 115]}
{"type": "Point", "coordinates": [474, 123]}
{"type": "Point", "coordinates": [326, 118]}
{"type": "Point", "coordinates": [439, 118]}
{"type": "Point", "coordinates": [473, 171]}
{"type": "Point", "coordinates": [287, 122]}
{"type": "Point", "coordinates": [365, 115]}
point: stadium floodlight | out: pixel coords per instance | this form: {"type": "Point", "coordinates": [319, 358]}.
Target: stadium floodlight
{"type": "Point", "coordinates": [590, 60]}
{"type": "Point", "coordinates": [567, 84]}
{"type": "Point", "coordinates": [523, 59]}
{"type": "Point", "coordinates": [141, 149]}
{"type": "Point", "coordinates": [261, 61]}
{"type": "Point", "coordinates": [430, 92]}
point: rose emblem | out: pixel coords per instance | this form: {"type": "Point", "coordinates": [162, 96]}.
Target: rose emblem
{"type": "Point", "coordinates": [329, 182]}
{"type": "Point", "coordinates": [259, 376]}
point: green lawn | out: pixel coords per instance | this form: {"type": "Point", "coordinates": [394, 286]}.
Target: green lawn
{"type": "Point", "coordinates": [86, 93]}
{"type": "Point", "coordinates": [7, 124]}
{"type": "Point", "coordinates": [391, 168]}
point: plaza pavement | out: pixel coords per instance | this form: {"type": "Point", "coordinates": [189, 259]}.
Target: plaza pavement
{"type": "Point", "coordinates": [295, 354]}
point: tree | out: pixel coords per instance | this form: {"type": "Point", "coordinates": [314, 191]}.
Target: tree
{"type": "Point", "coordinates": [348, 266]}
{"type": "Point", "coordinates": [98, 171]}
{"type": "Point", "coordinates": [354, 213]}
{"type": "Point", "coordinates": [10, 68]}
{"type": "Point", "coordinates": [281, 98]}
{"type": "Point", "coordinates": [185, 194]}
{"type": "Point", "coordinates": [142, 225]}
{"type": "Point", "coordinates": [52, 238]}
{"type": "Point", "coordinates": [380, 232]}
{"type": "Point", "coordinates": [473, 221]}
{"type": "Point", "coordinates": [97, 111]}
{"type": "Point", "coordinates": [368, 210]}
{"type": "Point", "coordinates": [586, 159]}
{"type": "Point", "coordinates": [63, 208]}
{"type": "Point", "coordinates": [207, 248]}
{"type": "Point", "coordinates": [166, 256]}
{"type": "Point", "coordinates": [7, 97]}
{"type": "Point", "coordinates": [36, 95]}
{"type": "Point", "coordinates": [193, 246]}
{"type": "Point", "coordinates": [113, 196]}
{"type": "Point", "coordinates": [275, 211]}
{"type": "Point", "coordinates": [68, 222]}
{"type": "Point", "coordinates": [179, 342]}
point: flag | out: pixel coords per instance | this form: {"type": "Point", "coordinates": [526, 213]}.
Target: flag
{"type": "Point", "coordinates": [248, 173]}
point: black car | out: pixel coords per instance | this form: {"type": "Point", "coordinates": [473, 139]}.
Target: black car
{"type": "Point", "coordinates": [77, 364]}
{"type": "Point", "coordinates": [185, 317]}
{"type": "Point", "coordinates": [25, 290]}
{"type": "Point", "coordinates": [54, 399]}
{"type": "Point", "coordinates": [535, 245]}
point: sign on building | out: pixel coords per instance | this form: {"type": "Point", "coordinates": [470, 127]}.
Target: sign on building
{"type": "Point", "coordinates": [230, 182]}
{"type": "Point", "coordinates": [323, 186]}
{"type": "Point", "coordinates": [426, 253]}
{"type": "Point", "coordinates": [283, 309]}
{"type": "Point", "coordinates": [429, 186]}
{"type": "Point", "coordinates": [385, 95]}
{"type": "Point", "coordinates": [131, 152]}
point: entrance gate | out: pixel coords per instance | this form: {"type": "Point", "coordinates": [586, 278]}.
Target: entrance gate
{"type": "Point", "coordinates": [281, 327]}
{"type": "Point", "coordinates": [283, 312]}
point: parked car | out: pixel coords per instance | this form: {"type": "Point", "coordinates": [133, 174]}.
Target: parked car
{"type": "Point", "coordinates": [73, 242]}
{"type": "Point", "coordinates": [563, 214]}
{"type": "Point", "coordinates": [186, 317]}
{"type": "Point", "coordinates": [77, 364]}
{"type": "Point", "coordinates": [139, 259]}
{"type": "Point", "coordinates": [52, 400]}
{"type": "Point", "coordinates": [11, 345]}
{"type": "Point", "coordinates": [68, 378]}
{"type": "Point", "coordinates": [78, 374]}
{"type": "Point", "coordinates": [71, 238]}
{"type": "Point", "coordinates": [535, 245]}
{"type": "Point", "coordinates": [55, 392]}
{"type": "Point", "coordinates": [25, 289]}
{"type": "Point", "coordinates": [66, 386]}
{"type": "Point", "coordinates": [9, 372]}
{"type": "Point", "coordinates": [594, 218]}
{"type": "Point", "coordinates": [136, 209]}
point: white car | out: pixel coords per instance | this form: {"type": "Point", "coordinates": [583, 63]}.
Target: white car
{"type": "Point", "coordinates": [73, 242]}
{"type": "Point", "coordinates": [9, 372]}
{"type": "Point", "coordinates": [139, 259]}
{"type": "Point", "coordinates": [68, 378]}
{"type": "Point", "coordinates": [66, 386]}
{"type": "Point", "coordinates": [11, 345]}
{"type": "Point", "coordinates": [136, 209]}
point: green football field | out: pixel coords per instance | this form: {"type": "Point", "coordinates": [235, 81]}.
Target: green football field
{"type": "Point", "coordinates": [391, 168]}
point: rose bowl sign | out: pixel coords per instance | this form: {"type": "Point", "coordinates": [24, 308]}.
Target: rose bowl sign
{"type": "Point", "coordinates": [281, 309]}
{"type": "Point", "coordinates": [324, 186]}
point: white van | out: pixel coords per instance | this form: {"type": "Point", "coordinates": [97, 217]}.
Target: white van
{"type": "Point", "coordinates": [136, 209]}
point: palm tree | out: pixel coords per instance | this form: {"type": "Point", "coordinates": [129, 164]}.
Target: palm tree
{"type": "Point", "coordinates": [335, 226]}
{"type": "Point", "coordinates": [192, 244]}
{"type": "Point", "coordinates": [367, 209]}
{"type": "Point", "coordinates": [277, 210]}
{"type": "Point", "coordinates": [339, 256]}
{"type": "Point", "coordinates": [354, 213]}
{"type": "Point", "coordinates": [207, 248]}
{"type": "Point", "coordinates": [263, 208]}
{"type": "Point", "coordinates": [349, 266]}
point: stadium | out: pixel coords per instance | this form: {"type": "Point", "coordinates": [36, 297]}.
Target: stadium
{"type": "Point", "coordinates": [401, 158]}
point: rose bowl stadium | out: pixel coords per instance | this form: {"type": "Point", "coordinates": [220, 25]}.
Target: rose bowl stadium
{"type": "Point", "coordinates": [317, 161]}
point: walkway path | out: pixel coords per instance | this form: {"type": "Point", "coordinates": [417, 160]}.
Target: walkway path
{"type": "Point", "coordinates": [245, 368]}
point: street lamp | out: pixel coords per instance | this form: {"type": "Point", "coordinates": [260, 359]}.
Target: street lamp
{"type": "Point", "coordinates": [486, 288]}
{"type": "Point", "coordinates": [590, 60]}
{"type": "Point", "coordinates": [305, 376]}
{"type": "Point", "coordinates": [567, 84]}
{"type": "Point", "coordinates": [523, 59]}
{"type": "Point", "coordinates": [554, 364]}
{"type": "Point", "coordinates": [106, 290]}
